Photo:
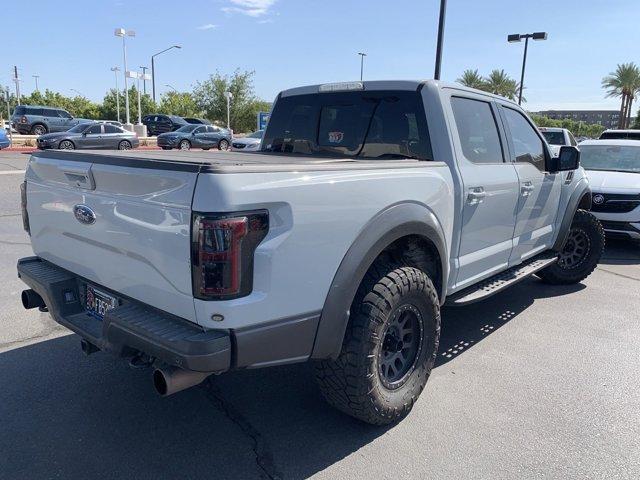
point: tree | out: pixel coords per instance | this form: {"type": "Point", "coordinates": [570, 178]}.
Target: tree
{"type": "Point", "coordinates": [109, 105]}
{"type": "Point", "coordinates": [210, 98]}
{"type": "Point", "coordinates": [624, 82]}
{"type": "Point", "coordinates": [472, 79]}
{"type": "Point", "coordinates": [577, 128]}
{"type": "Point", "coordinates": [499, 83]}
{"type": "Point", "coordinates": [178, 103]}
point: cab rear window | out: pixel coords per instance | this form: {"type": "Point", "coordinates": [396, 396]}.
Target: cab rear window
{"type": "Point", "coordinates": [368, 125]}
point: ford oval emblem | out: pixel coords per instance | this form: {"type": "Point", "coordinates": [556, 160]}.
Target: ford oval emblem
{"type": "Point", "coordinates": [84, 214]}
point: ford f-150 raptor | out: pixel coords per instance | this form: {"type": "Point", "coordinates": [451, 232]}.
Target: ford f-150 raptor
{"type": "Point", "coordinates": [368, 207]}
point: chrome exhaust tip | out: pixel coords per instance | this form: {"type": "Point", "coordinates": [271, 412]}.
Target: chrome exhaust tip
{"type": "Point", "coordinates": [170, 380]}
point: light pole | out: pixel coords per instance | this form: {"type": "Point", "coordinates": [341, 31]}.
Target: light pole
{"type": "Point", "coordinates": [115, 71]}
{"type": "Point", "coordinates": [9, 116]}
{"type": "Point", "coordinates": [153, 69]}
{"type": "Point", "coordinates": [171, 87]}
{"type": "Point", "coordinates": [36, 77]}
{"type": "Point", "coordinates": [144, 79]}
{"type": "Point", "coordinates": [121, 32]}
{"type": "Point", "coordinates": [517, 37]}
{"type": "Point", "coordinates": [362, 55]}
{"type": "Point", "coordinates": [74, 90]}
{"type": "Point", "coordinates": [443, 11]}
{"type": "Point", "coordinates": [229, 96]}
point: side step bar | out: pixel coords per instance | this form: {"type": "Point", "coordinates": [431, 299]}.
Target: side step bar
{"type": "Point", "coordinates": [500, 281]}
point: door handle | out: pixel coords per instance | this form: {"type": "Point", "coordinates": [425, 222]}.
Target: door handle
{"type": "Point", "coordinates": [476, 195]}
{"type": "Point", "coordinates": [526, 188]}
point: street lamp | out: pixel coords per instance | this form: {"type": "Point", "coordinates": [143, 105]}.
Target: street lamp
{"type": "Point", "coordinates": [517, 37]}
{"type": "Point", "coordinates": [74, 90]}
{"type": "Point", "coordinates": [153, 70]}
{"type": "Point", "coordinates": [171, 87]}
{"type": "Point", "coordinates": [443, 10]}
{"type": "Point", "coordinates": [362, 55]}
{"type": "Point", "coordinates": [36, 77]}
{"type": "Point", "coordinates": [229, 96]}
{"type": "Point", "coordinates": [115, 70]}
{"type": "Point", "coordinates": [138, 76]}
{"type": "Point", "coordinates": [121, 32]}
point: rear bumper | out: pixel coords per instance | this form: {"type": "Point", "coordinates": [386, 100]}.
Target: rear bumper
{"type": "Point", "coordinates": [130, 327]}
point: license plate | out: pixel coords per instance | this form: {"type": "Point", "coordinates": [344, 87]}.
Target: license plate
{"type": "Point", "coordinates": [98, 302]}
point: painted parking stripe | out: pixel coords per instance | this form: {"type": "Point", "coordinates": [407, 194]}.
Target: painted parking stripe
{"type": "Point", "coordinates": [11, 172]}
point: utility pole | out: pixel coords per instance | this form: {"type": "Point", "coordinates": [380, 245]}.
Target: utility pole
{"type": "Point", "coordinates": [144, 79]}
{"type": "Point", "coordinates": [443, 10]}
{"type": "Point", "coordinates": [9, 117]}
{"type": "Point", "coordinates": [36, 77]}
{"type": "Point", "coordinates": [16, 79]}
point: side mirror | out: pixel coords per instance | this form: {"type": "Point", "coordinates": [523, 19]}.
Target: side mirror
{"type": "Point", "coordinates": [567, 159]}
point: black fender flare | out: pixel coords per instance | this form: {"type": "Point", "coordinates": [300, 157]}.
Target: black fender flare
{"type": "Point", "coordinates": [580, 198]}
{"type": "Point", "coordinates": [391, 224]}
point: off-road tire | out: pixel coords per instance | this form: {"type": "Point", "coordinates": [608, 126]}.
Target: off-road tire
{"type": "Point", "coordinates": [587, 226]}
{"type": "Point", "coordinates": [353, 382]}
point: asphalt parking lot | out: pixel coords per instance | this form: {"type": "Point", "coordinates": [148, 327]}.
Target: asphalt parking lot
{"type": "Point", "coordinates": [537, 382]}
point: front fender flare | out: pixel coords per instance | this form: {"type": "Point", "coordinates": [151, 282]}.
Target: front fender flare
{"type": "Point", "coordinates": [386, 227]}
{"type": "Point", "coordinates": [576, 200]}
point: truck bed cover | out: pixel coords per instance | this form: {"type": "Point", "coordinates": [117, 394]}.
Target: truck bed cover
{"type": "Point", "coordinates": [225, 162]}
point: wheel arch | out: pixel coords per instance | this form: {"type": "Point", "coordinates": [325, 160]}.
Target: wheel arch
{"type": "Point", "coordinates": [387, 231]}
{"type": "Point", "coordinates": [580, 199]}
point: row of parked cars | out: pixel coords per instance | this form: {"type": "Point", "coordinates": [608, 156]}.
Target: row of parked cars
{"type": "Point", "coordinates": [613, 166]}
{"type": "Point", "coordinates": [57, 128]}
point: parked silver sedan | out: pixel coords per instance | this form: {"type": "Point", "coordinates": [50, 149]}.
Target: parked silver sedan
{"type": "Point", "coordinates": [91, 135]}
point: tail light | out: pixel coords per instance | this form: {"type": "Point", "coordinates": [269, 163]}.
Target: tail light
{"type": "Point", "coordinates": [23, 119]}
{"type": "Point", "coordinates": [23, 207]}
{"type": "Point", "coordinates": [222, 250]}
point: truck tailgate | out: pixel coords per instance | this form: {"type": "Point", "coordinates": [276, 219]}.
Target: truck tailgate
{"type": "Point", "coordinates": [138, 244]}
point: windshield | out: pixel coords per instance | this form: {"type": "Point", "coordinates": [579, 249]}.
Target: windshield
{"type": "Point", "coordinates": [554, 138]}
{"type": "Point", "coordinates": [257, 134]}
{"type": "Point", "coordinates": [379, 124]}
{"type": "Point", "coordinates": [81, 127]}
{"type": "Point", "coordinates": [610, 157]}
{"type": "Point", "coordinates": [188, 128]}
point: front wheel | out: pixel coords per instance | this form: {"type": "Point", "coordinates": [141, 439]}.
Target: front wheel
{"type": "Point", "coordinates": [223, 145]}
{"type": "Point", "coordinates": [580, 254]}
{"type": "Point", "coordinates": [185, 145]}
{"type": "Point", "coordinates": [66, 145]}
{"type": "Point", "coordinates": [389, 347]}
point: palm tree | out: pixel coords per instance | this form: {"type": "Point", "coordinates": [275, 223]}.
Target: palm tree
{"type": "Point", "coordinates": [623, 83]}
{"type": "Point", "coordinates": [472, 79]}
{"type": "Point", "coordinates": [499, 83]}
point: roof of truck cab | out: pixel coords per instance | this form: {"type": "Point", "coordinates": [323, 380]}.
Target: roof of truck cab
{"type": "Point", "coordinates": [225, 162]}
{"type": "Point", "coordinates": [409, 85]}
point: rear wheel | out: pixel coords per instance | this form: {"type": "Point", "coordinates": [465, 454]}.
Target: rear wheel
{"type": "Point", "coordinates": [223, 145]}
{"type": "Point", "coordinates": [38, 130]}
{"type": "Point", "coordinates": [124, 145]}
{"type": "Point", "coordinates": [389, 347]}
{"type": "Point", "coordinates": [185, 145]}
{"type": "Point", "coordinates": [66, 145]}
{"type": "Point", "coordinates": [581, 252]}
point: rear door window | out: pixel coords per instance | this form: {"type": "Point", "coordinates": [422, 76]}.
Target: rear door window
{"type": "Point", "coordinates": [108, 128]}
{"type": "Point", "coordinates": [477, 130]}
{"type": "Point", "coordinates": [368, 125]}
{"type": "Point", "coordinates": [47, 112]}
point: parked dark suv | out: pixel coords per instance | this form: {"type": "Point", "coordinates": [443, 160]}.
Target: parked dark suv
{"type": "Point", "coordinates": [157, 124]}
{"type": "Point", "coordinates": [38, 120]}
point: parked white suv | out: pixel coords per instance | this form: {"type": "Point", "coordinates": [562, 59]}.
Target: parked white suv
{"type": "Point", "coordinates": [613, 168]}
{"type": "Point", "coordinates": [558, 137]}
{"type": "Point", "coordinates": [369, 206]}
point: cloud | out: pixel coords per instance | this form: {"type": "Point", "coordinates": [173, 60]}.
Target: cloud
{"type": "Point", "coordinates": [251, 8]}
{"type": "Point", "coordinates": [208, 26]}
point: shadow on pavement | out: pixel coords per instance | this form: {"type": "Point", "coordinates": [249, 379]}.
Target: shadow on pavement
{"type": "Point", "coordinates": [621, 252]}
{"type": "Point", "coordinates": [63, 415]}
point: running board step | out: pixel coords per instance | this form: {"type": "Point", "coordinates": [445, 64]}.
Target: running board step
{"type": "Point", "coordinates": [502, 280]}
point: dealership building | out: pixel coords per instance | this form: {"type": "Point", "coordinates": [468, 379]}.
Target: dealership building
{"type": "Point", "coordinates": [606, 118]}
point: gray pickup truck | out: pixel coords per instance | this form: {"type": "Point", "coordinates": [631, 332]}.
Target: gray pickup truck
{"type": "Point", "coordinates": [368, 207]}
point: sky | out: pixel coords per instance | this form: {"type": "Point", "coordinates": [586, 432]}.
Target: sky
{"type": "Point", "coordinates": [71, 44]}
